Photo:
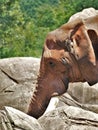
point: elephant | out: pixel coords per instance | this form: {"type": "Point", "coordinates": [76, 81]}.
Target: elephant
{"type": "Point", "coordinates": [70, 54]}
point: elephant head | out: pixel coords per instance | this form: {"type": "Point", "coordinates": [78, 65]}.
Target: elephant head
{"type": "Point", "coordinates": [70, 54]}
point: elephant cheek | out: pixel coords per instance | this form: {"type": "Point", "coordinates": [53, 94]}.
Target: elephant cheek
{"type": "Point", "coordinates": [60, 87]}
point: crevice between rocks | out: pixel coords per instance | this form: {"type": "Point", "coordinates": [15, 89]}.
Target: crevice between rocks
{"type": "Point", "coordinates": [81, 121]}
{"type": "Point", "coordinates": [14, 80]}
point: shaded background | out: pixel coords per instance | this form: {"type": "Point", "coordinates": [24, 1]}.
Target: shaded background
{"type": "Point", "coordinates": [24, 24]}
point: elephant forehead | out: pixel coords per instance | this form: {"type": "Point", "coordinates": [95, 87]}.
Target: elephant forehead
{"type": "Point", "coordinates": [53, 53]}
{"type": "Point", "coordinates": [58, 34]}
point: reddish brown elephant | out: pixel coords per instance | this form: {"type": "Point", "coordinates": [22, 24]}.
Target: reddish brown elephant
{"type": "Point", "coordinates": [70, 54]}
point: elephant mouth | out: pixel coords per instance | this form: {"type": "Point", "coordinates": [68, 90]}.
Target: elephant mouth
{"type": "Point", "coordinates": [65, 82]}
{"type": "Point", "coordinates": [61, 86]}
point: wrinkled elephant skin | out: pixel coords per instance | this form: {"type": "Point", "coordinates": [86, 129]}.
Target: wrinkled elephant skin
{"type": "Point", "coordinates": [70, 54]}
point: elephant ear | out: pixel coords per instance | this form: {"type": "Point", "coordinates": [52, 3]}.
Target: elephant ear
{"type": "Point", "coordinates": [82, 44]}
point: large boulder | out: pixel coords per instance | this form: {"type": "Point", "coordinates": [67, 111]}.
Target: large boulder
{"type": "Point", "coordinates": [81, 95]}
{"type": "Point", "coordinates": [13, 119]}
{"type": "Point", "coordinates": [17, 81]}
{"type": "Point", "coordinates": [69, 118]}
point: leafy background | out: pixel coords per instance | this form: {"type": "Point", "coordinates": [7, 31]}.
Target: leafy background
{"type": "Point", "coordinates": [24, 24]}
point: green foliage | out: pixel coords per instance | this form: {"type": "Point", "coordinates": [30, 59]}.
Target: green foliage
{"type": "Point", "coordinates": [24, 24]}
{"type": "Point", "coordinates": [86, 4]}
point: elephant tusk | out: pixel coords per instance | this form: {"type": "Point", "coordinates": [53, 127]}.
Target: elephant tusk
{"type": "Point", "coordinates": [54, 94]}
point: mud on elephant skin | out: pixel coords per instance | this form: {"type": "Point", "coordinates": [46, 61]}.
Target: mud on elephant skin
{"type": "Point", "coordinates": [70, 54]}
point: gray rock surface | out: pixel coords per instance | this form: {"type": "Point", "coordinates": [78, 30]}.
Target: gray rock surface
{"type": "Point", "coordinates": [69, 118]}
{"type": "Point", "coordinates": [13, 119]}
{"type": "Point", "coordinates": [81, 95]}
{"type": "Point", "coordinates": [17, 81]}
{"type": "Point", "coordinates": [21, 120]}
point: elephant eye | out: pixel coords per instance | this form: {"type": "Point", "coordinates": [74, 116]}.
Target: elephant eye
{"type": "Point", "coordinates": [51, 63]}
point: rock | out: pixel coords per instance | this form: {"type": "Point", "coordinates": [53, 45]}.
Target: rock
{"type": "Point", "coordinates": [67, 100]}
{"type": "Point", "coordinates": [69, 118]}
{"type": "Point", "coordinates": [21, 120]}
{"type": "Point", "coordinates": [13, 119]}
{"type": "Point", "coordinates": [17, 81]}
{"type": "Point", "coordinates": [5, 124]}
{"type": "Point", "coordinates": [84, 93]}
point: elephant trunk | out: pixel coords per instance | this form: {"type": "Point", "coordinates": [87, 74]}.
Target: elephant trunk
{"type": "Point", "coordinates": [38, 103]}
